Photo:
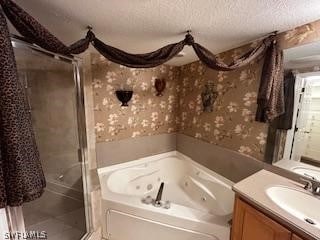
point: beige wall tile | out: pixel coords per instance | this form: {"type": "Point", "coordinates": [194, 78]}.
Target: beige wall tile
{"type": "Point", "coordinates": [228, 163]}
{"type": "Point", "coordinates": [109, 153]}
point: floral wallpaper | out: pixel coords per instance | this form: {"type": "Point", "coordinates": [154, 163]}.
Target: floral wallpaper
{"type": "Point", "coordinates": [147, 114]}
{"type": "Point", "coordinates": [230, 125]}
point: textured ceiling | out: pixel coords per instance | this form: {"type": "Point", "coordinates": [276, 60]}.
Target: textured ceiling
{"type": "Point", "coordinates": [143, 25]}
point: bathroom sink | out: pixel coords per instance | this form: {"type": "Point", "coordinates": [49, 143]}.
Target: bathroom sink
{"type": "Point", "coordinates": [311, 172]}
{"type": "Point", "coordinates": [297, 203]}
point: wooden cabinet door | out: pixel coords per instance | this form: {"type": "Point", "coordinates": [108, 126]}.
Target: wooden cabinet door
{"type": "Point", "coordinates": [250, 224]}
{"type": "Point", "coordinates": [295, 237]}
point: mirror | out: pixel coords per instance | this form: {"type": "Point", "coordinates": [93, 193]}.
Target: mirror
{"type": "Point", "coordinates": [298, 147]}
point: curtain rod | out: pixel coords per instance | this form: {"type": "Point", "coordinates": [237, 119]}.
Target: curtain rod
{"type": "Point", "coordinates": [188, 32]}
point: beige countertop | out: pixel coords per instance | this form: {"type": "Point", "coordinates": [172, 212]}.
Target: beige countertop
{"type": "Point", "coordinates": [254, 189]}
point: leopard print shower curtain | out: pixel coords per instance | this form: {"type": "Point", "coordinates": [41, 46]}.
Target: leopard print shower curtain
{"type": "Point", "coordinates": [21, 175]}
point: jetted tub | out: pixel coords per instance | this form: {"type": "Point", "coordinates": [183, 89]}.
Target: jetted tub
{"type": "Point", "coordinates": [199, 208]}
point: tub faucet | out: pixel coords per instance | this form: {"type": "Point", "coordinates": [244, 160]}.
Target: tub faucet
{"type": "Point", "coordinates": [157, 201]}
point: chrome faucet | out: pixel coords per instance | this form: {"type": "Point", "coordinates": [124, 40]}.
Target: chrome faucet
{"type": "Point", "coordinates": [312, 184]}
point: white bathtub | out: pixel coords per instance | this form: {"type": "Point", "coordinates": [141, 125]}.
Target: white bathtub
{"type": "Point", "coordinates": [201, 201]}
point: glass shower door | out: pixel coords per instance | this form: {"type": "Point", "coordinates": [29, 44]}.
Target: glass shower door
{"type": "Point", "coordinates": [52, 99]}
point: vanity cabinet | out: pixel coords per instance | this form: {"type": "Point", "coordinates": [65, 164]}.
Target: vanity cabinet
{"type": "Point", "coordinates": [251, 224]}
{"type": "Point", "coordinates": [295, 237]}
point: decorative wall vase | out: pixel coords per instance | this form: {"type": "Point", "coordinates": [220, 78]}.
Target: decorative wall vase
{"type": "Point", "coordinates": [124, 97]}
{"type": "Point", "coordinates": [160, 85]}
{"type": "Point", "coordinates": [208, 96]}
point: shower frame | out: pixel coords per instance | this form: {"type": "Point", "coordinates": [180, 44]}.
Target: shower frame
{"type": "Point", "coordinates": [21, 43]}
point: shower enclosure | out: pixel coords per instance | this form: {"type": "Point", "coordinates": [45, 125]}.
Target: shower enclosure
{"type": "Point", "coordinates": [55, 99]}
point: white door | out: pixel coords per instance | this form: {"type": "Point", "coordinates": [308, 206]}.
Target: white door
{"type": "Point", "coordinates": [302, 128]}
{"type": "Point", "coordinates": [312, 150]}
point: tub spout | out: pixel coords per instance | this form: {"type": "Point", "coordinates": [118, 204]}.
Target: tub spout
{"type": "Point", "coordinates": [157, 202]}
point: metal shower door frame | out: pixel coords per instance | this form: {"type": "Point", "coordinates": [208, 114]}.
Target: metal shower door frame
{"type": "Point", "coordinates": [19, 43]}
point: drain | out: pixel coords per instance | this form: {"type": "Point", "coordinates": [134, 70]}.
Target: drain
{"type": "Point", "coordinates": [310, 221]}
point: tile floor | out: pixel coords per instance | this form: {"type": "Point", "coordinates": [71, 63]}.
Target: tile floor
{"type": "Point", "coordinates": [58, 230]}
{"type": "Point", "coordinates": [63, 218]}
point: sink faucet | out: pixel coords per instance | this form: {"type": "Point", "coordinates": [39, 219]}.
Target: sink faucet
{"type": "Point", "coordinates": [312, 184]}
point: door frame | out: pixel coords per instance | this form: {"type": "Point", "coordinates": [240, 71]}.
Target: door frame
{"type": "Point", "coordinates": [301, 79]}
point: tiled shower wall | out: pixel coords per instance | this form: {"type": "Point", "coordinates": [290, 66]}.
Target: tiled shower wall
{"type": "Point", "coordinates": [51, 95]}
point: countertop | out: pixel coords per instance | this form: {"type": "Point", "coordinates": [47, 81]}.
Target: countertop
{"type": "Point", "coordinates": [254, 188]}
